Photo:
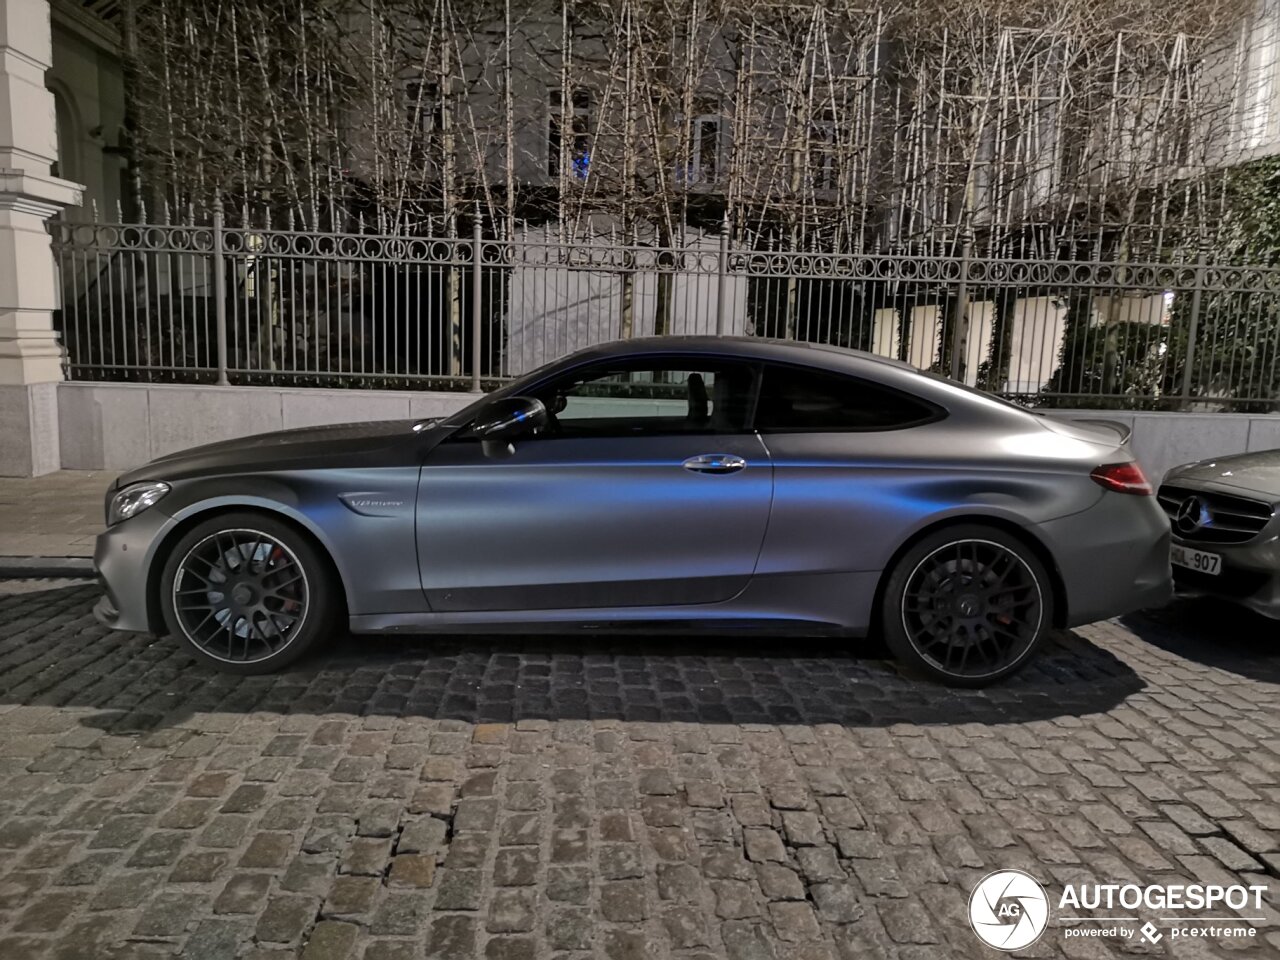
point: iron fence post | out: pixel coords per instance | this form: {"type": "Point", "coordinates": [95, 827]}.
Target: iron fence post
{"type": "Point", "coordinates": [220, 296]}
{"type": "Point", "coordinates": [960, 319]}
{"type": "Point", "coordinates": [722, 278]}
{"type": "Point", "coordinates": [1193, 329]}
{"type": "Point", "coordinates": [476, 250]}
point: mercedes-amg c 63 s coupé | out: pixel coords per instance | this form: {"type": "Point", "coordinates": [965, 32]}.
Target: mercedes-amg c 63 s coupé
{"type": "Point", "coordinates": [678, 483]}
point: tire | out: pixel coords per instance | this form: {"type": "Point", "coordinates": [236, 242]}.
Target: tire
{"type": "Point", "coordinates": [279, 600]}
{"type": "Point", "coordinates": [968, 605]}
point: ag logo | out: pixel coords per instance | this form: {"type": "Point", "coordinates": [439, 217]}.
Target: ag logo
{"type": "Point", "coordinates": [1008, 910]}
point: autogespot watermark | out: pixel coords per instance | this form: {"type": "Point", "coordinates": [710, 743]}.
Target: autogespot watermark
{"type": "Point", "coordinates": [1010, 910]}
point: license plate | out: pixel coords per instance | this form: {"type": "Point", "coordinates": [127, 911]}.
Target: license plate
{"type": "Point", "coordinates": [1195, 559]}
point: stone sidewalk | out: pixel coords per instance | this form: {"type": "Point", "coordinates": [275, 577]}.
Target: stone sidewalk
{"type": "Point", "coordinates": [57, 515]}
{"type": "Point", "coordinates": [624, 799]}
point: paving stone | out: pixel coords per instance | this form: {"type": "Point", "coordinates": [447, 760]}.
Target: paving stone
{"type": "Point", "coordinates": [763, 845]}
{"type": "Point", "coordinates": [568, 884]}
{"type": "Point", "coordinates": [243, 893]}
{"type": "Point", "coordinates": [331, 940]}
{"type": "Point", "coordinates": [624, 901]}
{"type": "Point", "coordinates": [308, 873]}
{"type": "Point", "coordinates": [724, 864]}
{"type": "Point", "coordinates": [48, 912]}
{"type": "Point", "coordinates": [620, 861]}
{"type": "Point", "coordinates": [748, 941]}
{"type": "Point", "coordinates": [906, 921]}
{"type": "Point", "coordinates": [168, 915]}
{"type": "Point", "coordinates": [425, 835]}
{"type": "Point", "coordinates": [819, 864]}
{"type": "Point", "coordinates": [285, 919]}
{"type": "Point", "coordinates": [224, 832]}
{"type": "Point", "coordinates": [685, 926]}
{"type": "Point", "coordinates": [511, 911]}
{"type": "Point", "coordinates": [350, 896]}
{"type": "Point", "coordinates": [368, 856]}
{"type": "Point", "coordinates": [412, 870]}
{"type": "Point", "coordinates": [378, 819]}
{"type": "Point", "coordinates": [389, 950]}
{"type": "Point", "coordinates": [459, 889]}
{"type": "Point", "coordinates": [735, 899]}
{"type": "Point", "coordinates": [515, 867]}
{"type": "Point", "coordinates": [570, 928]}
{"type": "Point", "coordinates": [616, 826]}
{"type": "Point", "coordinates": [628, 945]}
{"type": "Point", "coordinates": [794, 921]}
{"type": "Point", "coordinates": [399, 914]}
{"type": "Point", "coordinates": [88, 870]}
{"type": "Point", "coordinates": [216, 939]}
{"type": "Point", "coordinates": [802, 828]}
{"type": "Point", "coordinates": [779, 882]}
{"type": "Point", "coordinates": [246, 798]}
{"type": "Point", "coordinates": [837, 902]}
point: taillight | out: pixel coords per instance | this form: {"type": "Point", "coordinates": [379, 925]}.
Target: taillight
{"type": "Point", "coordinates": [1122, 478]}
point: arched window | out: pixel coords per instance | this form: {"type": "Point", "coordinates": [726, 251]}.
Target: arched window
{"type": "Point", "coordinates": [67, 164]}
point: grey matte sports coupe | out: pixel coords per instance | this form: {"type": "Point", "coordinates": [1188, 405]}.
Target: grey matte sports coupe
{"type": "Point", "coordinates": [1226, 537]}
{"type": "Point", "coordinates": [670, 482]}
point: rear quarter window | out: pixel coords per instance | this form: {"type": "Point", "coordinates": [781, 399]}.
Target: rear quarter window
{"type": "Point", "coordinates": [804, 400]}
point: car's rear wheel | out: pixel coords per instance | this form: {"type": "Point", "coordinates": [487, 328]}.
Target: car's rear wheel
{"type": "Point", "coordinates": [248, 593]}
{"type": "Point", "coordinates": [967, 605]}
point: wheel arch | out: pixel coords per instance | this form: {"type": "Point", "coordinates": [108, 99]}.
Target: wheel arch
{"type": "Point", "coordinates": [1015, 530]}
{"type": "Point", "coordinates": [197, 514]}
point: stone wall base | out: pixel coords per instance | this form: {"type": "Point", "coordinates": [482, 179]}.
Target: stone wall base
{"type": "Point", "coordinates": [29, 443]}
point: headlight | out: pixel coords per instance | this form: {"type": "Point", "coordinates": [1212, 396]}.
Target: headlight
{"type": "Point", "coordinates": [133, 499]}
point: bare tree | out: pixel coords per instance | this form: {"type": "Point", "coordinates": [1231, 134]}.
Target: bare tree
{"type": "Point", "coordinates": [1022, 126]}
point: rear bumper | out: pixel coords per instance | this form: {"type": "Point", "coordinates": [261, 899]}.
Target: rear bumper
{"type": "Point", "coordinates": [1113, 558]}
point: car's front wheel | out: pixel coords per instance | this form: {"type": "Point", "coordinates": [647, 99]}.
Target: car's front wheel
{"type": "Point", "coordinates": [967, 605]}
{"type": "Point", "coordinates": [248, 593]}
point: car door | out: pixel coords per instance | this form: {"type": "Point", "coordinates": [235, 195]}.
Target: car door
{"type": "Point", "coordinates": [851, 465]}
{"type": "Point", "coordinates": [645, 489]}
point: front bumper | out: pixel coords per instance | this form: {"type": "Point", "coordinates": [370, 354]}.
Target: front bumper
{"type": "Point", "coordinates": [123, 558]}
{"type": "Point", "coordinates": [1250, 574]}
{"type": "Point", "coordinates": [1113, 558]}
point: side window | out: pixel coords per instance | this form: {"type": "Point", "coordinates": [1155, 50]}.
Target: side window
{"type": "Point", "coordinates": [792, 399]}
{"type": "Point", "coordinates": [651, 398]}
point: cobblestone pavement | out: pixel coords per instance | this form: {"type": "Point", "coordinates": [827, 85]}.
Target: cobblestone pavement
{"type": "Point", "coordinates": [625, 798]}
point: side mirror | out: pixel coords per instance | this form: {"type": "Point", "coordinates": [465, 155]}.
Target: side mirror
{"type": "Point", "coordinates": [509, 418]}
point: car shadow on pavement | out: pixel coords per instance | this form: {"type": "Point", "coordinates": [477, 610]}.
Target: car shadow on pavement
{"type": "Point", "coordinates": [53, 653]}
{"type": "Point", "coordinates": [1214, 633]}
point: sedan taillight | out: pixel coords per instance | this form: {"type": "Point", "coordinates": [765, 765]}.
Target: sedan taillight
{"type": "Point", "coordinates": [1122, 478]}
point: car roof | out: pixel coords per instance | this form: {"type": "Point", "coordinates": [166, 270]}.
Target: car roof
{"type": "Point", "coordinates": [762, 347]}
{"type": "Point", "coordinates": [884, 370]}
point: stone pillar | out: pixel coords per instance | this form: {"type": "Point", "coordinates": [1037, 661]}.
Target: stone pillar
{"type": "Point", "coordinates": [30, 356]}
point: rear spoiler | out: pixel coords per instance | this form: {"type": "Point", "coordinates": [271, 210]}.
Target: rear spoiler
{"type": "Point", "coordinates": [1123, 429]}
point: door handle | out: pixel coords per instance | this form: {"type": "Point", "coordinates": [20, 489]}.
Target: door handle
{"type": "Point", "coordinates": [714, 463]}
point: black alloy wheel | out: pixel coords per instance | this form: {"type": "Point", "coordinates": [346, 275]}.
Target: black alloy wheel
{"type": "Point", "coordinates": [968, 606]}
{"type": "Point", "coordinates": [247, 593]}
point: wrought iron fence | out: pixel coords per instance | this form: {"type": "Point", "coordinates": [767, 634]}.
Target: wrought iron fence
{"type": "Point", "coordinates": [218, 304]}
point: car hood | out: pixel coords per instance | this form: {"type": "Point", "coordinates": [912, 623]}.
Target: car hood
{"type": "Point", "coordinates": [305, 447]}
{"type": "Point", "coordinates": [1255, 472]}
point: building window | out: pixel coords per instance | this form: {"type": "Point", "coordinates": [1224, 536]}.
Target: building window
{"type": "Point", "coordinates": [577, 150]}
{"type": "Point", "coordinates": [705, 134]}
{"type": "Point", "coordinates": [423, 118]}
{"type": "Point", "coordinates": [704, 157]}
{"type": "Point", "coordinates": [824, 138]}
